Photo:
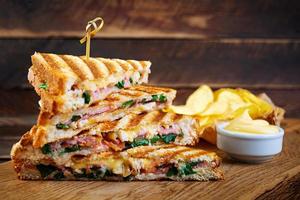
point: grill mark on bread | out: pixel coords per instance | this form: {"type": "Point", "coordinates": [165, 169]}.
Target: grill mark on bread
{"type": "Point", "coordinates": [136, 65]}
{"type": "Point", "coordinates": [125, 65]}
{"type": "Point", "coordinates": [194, 153]}
{"type": "Point", "coordinates": [167, 118]}
{"type": "Point", "coordinates": [98, 68]}
{"type": "Point", "coordinates": [108, 126]}
{"type": "Point", "coordinates": [148, 118]}
{"type": "Point", "coordinates": [141, 153]}
{"type": "Point", "coordinates": [135, 121]}
{"type": "Point", "coordinates": [43, 118]}
{"type": "Point", "coordinates": [78, 66]}
{"type": "Point", "coordinates": [132, 93]}
{"type": "Point", "coordinates": [157, 116]}
{"type": "Point", "coordinates": [151, 89]}
{"type": "Point", "coordinates": [145, 64]}
{"type": "Point", "coordinates": [169, 155]}
{"type": "Point", "coordinates": [55, 62]}
{"type": "Point", "coordinates": [112, 66]}
{"type": "Point", "coordinates": [52, 61]}
{"type": "Point", "coordinates": [112, 98]}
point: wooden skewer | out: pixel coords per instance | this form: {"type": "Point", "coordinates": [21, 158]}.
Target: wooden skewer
{"type": "Point", "coordinates": [90, 31]}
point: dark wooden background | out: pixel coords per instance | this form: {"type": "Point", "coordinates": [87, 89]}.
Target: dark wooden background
{"type": "Point", "coordinates": [223, 43]}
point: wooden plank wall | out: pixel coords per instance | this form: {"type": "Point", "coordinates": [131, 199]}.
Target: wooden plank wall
{"type": "Point", "coordinates": [223, 43]}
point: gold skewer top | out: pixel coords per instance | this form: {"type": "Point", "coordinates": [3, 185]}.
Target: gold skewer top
{"type": "Point", "coordinates": [90, 31]}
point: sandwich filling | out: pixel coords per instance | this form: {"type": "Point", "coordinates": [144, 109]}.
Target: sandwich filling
{"type": "Point", "coordinates": [104, 172]}
{"type": "Point", "coordinates": [92, 141]}
{"type": "Point", "coordinates": [77, 97]}
{"type": "Point", "coordinates": [79, 120]}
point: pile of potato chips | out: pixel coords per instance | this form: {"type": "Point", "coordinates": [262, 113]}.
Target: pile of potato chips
{"type": "Point", "coordinates": [223, 104]}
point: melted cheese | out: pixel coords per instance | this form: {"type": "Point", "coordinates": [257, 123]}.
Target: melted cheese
{"type": "Point", "coordinates": [116, 165]}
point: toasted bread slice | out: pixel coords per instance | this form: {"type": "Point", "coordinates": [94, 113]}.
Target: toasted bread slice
{"type": "Point", "coordinates": [65, 81]}
{"type": "Point", "coordinates": [136, 99]}
{"type": "Point", "coordinates": [151, 128]}
{"type": "Point", "coordinates": [139, 163]}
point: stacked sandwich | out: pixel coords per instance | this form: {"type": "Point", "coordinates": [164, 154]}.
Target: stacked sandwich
{"type": "Point", "coordinates": [97, 122]}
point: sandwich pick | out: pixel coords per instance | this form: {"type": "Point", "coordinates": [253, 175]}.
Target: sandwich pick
{"type": "Point", "coordinates": [91, 33]}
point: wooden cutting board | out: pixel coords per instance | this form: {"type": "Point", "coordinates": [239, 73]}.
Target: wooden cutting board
{"type": "Point", "coordinates": [277, 179]}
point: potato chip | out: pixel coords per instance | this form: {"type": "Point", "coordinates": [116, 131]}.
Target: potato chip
{"type": "Point", "coordinates": [263, 108]}
{"type": "Point", "coordinates": [226, 102]}
{"type": "Point", "coordinates": [196, 103]}
{"type": "Point", "coordinates": [223, 104]}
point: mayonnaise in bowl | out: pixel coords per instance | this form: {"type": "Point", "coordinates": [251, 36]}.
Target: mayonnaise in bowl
{"type": "Point", "coordinates": [245, 124]}
{"type": "Point", "coordinates": [249, 140]}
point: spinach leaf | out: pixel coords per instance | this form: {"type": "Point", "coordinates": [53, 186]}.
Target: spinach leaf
{"type": "Point", "coordinates": [46, 170]}
{"type": "Point", "coordinates": [173, 171]}
{"type": "Point", "coordinates": [75, 118]}
{"type": "Point", "coordinates": [72, 148]}
{"type": "Point", "coordinates": [87, 97]}
{"type": "Point", "coordinates": [128, 178]}
{"type": "Point", "coordinates": [43, 86]}
{"type": "Point", "coordinates": [62, 126]}
{"type": "Point", "coordinates": [140, 142]}
{"type": "Point", "coordinates": [194, 163]}
{"type": "Point", "coordinates": [186, 169]}
{"type": "Point", "coordinates": [155, 139]}
{"type": "Point", "coordinates": [144, 100]}
{"type": "Point", "coordinates": [108, 173]}
{"type": "Point", "coordinates": [46, 149]}
{"type": "Point", "coordinates": [93, 173]}
{"type": "Point", "coordinates": [127, 104]}
{"type": "Point", "coordinates": [159, 97]}
{"type": "Point", "coordinates": [128, 145]}
{"type": "Point", "coordinates": [169, 138]}
{"type": "Point", "coordinates": [162, 98]}
{"type": "Point", "coordinates": [59, 175]}
{"type": "Point", "coordinates": [155, 97]}
{"type": "Point", "coordinates": [120, 84]}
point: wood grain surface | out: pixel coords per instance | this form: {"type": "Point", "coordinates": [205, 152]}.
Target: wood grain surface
{"type": "Point", "coordinates": [280, 176]}
{"type": "Point", "coordinates": [244, 63]}
{"type": "Point", "coordinates": [156, 18]}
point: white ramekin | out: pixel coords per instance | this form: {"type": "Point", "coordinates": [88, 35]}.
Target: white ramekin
{"type": "Point", "coordinates": [249, 147]}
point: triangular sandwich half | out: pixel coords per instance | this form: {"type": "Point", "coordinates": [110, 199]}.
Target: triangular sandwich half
{"type": "Point", "coordinates": [67, 83]}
